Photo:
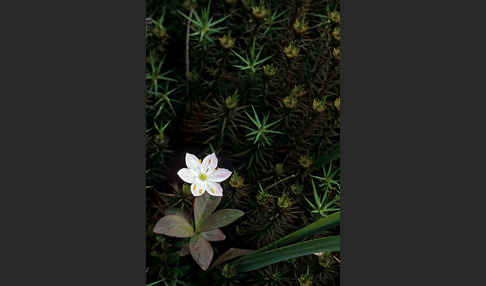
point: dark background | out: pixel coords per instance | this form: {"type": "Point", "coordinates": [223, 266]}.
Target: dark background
{"type": "Point", "coordinates": [73, 143]}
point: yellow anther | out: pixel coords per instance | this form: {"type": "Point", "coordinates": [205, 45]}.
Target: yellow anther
{"type": "Point", "coordinates": [212, 190]}
{"type": "Point", "coordinates": [200, 191]}
{"type": "Point", "coordinates": [194, 187]}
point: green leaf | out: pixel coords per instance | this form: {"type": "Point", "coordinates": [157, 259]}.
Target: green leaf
{"type": "Point", "coordinates": [258, 260]}
{"type": "Point", "coordinates": [187, 18]}
{"type": "Point", "coordinates": [274, 132]}
{"type": "Point", "coordinates": [204, 206]}
{"type": "Point", "coordinates": [241, 67]}
{"type": "Point", "coordinates": [253, 120]}
{"type": "Point", "coordinates": [214, 235]}
{"type": "Point", "coordinates": [241, 58]}
{"type": "Point", "coordinates": [316, 227]}
{"type": "Point", "coordinates": [311, 204]}
{"type": "Point", "coordinates": [316, 196]}
{"type": "Point", "coordinates": [198, 19]}
{"type": "Point", "coordinates": [174, 225]}
{"type": "Point", "coordinates": [220, 20]}
{"type": "Point", "coordinates": [154, 283]}
{"type": "Point", "coordinates": [201, 251]}
{"type": "Point", "coordinates": [220, 218]}
{"type": "Point", "coordinates": [273, 123]}
{"type": "Point", "coordinates": [261, 61]}
{"type": "Point", "coordinates": [256, 117]}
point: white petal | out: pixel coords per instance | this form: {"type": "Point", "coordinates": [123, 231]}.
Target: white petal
{"type": "Point", "coordinates": [219, 175]}
{"type": "Point", "coordinates": [198, 189]}
{"type": "Point", "coordinates": [209, 164]}
{"type": "Point", "coordinates": [215, 189]}
{"type": "Point", "coordinates": [192, 162]}
{"type": "Point", "coordinates": [187, 175]}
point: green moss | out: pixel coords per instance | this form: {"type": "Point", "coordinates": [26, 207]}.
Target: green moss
{"type": "Point", "coordinates": [209, 104]}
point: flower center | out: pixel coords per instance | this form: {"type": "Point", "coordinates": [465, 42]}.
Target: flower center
{"type": "Point", "coordinates": [202, 177]}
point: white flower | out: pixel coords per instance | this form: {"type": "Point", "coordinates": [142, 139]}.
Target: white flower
{"type": "Point", "coordinates": [203, 175]}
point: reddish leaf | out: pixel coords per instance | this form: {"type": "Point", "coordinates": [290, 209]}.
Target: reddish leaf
{"type": "Point", "coordinates": [230, 254]}
{"type": "Point", "coordinates": [219, 219]}
{"type": "Point", "coordinates": [178, 212]}
{"type": "Point", "coordinates": [201, 251]}
{"type": "Point", "coordinates": [214, 235]}
{"type": "Point", "coordinates": [204, 206]}
{"type": "Point", "coordinates": [174, 225]}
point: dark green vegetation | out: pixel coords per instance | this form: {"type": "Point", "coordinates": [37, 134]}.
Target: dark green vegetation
{"type": "Point", "coordinates": [262, 92]}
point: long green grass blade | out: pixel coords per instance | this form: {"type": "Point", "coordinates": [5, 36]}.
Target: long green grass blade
{"type": "Point", "coordinates": [313, 228]}
{"type": "Point", "coordinates": [262, 259]}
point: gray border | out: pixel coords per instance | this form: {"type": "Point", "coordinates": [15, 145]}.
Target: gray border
{"type": "Point", "coordinates": [413, 149]}
{"type": "Point", "coordinates": [72, 143]}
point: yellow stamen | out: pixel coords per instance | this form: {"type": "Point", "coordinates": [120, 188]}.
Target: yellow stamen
{"type": "Point", "coordinates": [200, 161]}
{"type": "Point", "coordinates": [194, 187]}
{"type": "Point", "coordinates": [200, 191]}
{"type": "Point", "coordinates": [202, 177]}
{"type": "Point", "coordinates": [217, 169]}
{"type": "Point", "coordinates": [212, 190]}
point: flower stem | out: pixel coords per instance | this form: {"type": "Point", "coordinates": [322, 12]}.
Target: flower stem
{"type": "Point", "coordinates": [187, 48]}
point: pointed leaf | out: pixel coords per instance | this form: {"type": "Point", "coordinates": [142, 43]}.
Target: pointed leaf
{"type": "Point", "coordinates": [214, 235]}
{"type": "Point", "coordinates": [273, 123]}
{"type": "Point", "coordinates": [274, 132]}
{"type": "Point", "coordinates": [316, 196]}
{"type": "Point", "coordinates": [311, 204]}
{"type": "Point", "coordinates": [219, 20]}
{"type": "Point", "coordinates": [204, 206]}
{"type": "Point", "coordinates": [220, 218]}
{"type": "Point", "coordinates": [253, 120]}
{"type": "Point", "coordinates": [316, 227]}
{"type": "Point", "coordinates": [256, 116]}
{"type": "Point", "coordinates": [174, 225]}
{"type": "Point", "coordinates": [198, 19]}
{"type": "Point", "coordinates": [261, 61]}
{"type": "Point", "coordinates": [258, 260]}
{"type": "Point", "coordinates": [241, 58]}
{"type": "Point", "coordinates": [154, 283]}
{"type": "Point", "coordinates": [230, 254]}
{"type": "Point", "coordinates": [184, 15]}
{"type": "Point", "coordinates": [201, 251]}
{"type": "Point", "coordinates": [241, 67]}
{"type": "Point", "coordinates": [259, 52]}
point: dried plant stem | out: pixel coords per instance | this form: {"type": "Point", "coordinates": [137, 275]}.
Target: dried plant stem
{"type": "Point", "coordinates": [187, 48]}
{"type": "Point", "coordinates": [281, 181]}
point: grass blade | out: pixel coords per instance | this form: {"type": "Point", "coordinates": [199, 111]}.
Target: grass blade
{"type": "Point", "coordinates": [258, 260]}
{"type": "Point", "coordinates": [313, 228]}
